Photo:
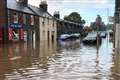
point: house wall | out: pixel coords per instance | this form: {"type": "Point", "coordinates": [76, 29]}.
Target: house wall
{"type": "Point", "coordinates": [117, 39]}
{"type": "Point", "coordinates": [3, 21]}
{"type": "Point", "coordinates": [26, 25]}
{"type": "Point", "coordinates": [47, 28]}
{"type": "Point", "coordinates": [117, 25]}
{"type": "Point", "coordinates": [36, 28]}
{"type": "Point", "coordinates": [3, 12]}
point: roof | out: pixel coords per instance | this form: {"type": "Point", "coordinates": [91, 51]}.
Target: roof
{"type": "Point", "coordinates": [40, 12]}
{"type": "Point", "coordinates": [14, 5]}
{"type": "Point", "coordinates": [65, 21]}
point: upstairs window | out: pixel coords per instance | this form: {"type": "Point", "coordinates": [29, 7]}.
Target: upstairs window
{"type": "Point", "coordinates": [32, 20]}
{"type": "Point", "coordinates": [28, 19]}
{"type": "Point", "coordinates": [53, 23]}
{"type": "Point", "coordinates": [48, 21]}
{"type": "Point", "coordinates": [43, 21]}
{"type": "Point", "coordinates": [15, 17]}
{"type": "Point", "coordinates": [24, 18]}
{"type": "Point", "coordinates": [20, 18]}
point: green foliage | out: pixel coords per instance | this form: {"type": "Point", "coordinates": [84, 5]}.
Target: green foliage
{"type": "Point", "coordinates": [75, 17]}
{"type": "Point", "coordinates": [83, 21]}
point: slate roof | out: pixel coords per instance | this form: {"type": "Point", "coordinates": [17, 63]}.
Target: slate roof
{"type": "Point", "coordinates": [14, 5]}
{"type": "Point", "coordinates": [40, 12]}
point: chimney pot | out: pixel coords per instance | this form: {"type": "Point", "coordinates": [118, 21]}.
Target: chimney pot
{"type": "Point", "coordinates": [43, 6]}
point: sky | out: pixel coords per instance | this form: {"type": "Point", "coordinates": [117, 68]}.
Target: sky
{"type": "Point", "coordinates": [88, 9]}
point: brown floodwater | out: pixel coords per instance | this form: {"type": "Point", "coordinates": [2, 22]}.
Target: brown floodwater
{"type": "Point", "coordinates": [68, 60]}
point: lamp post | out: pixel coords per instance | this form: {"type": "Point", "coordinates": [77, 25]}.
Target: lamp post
{"type": "Point", "coordinates": [97, 38]}
{"type": "Point", "coordinates": [98, 21]}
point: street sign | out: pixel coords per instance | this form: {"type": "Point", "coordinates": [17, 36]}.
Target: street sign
{"type": "Point", "coordinates": [111, 19]}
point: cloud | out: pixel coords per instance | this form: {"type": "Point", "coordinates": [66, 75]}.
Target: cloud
{"type": "Point", "coordinates": [34, 2]}
{"type": "Point", "coordinates": [74, 4]}
{"type": "Point", "coordinates": [84, 1]}
{"type": "Point", "coordinates": [79, 4]}
{"type": "Point", "coordinates": [87, 8]}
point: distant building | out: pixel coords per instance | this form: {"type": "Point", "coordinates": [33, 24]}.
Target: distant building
{"type": "Point", "coordinates": [110, 24]}
{"type": "Point", "coordinates": [98, 25]}
{"type": "Point", "coordinates": [67, 27]}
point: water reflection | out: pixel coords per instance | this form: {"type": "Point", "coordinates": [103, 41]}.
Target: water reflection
{"type": "Point", "coordinates": [116, 66]}
{"type": "Point", "coordinates": [69, 45]}
{"type": "Point", "coordinates": [22, 60]}
{"type": "Point", "coordinates": [69, 60]}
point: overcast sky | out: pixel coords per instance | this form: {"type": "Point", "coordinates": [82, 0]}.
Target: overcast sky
{"type": "Point", "coordinates": [88, 9]}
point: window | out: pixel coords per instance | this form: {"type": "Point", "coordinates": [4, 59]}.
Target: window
{"type": "Point", "coordinates": [32, 20]}
{"type": "Point", "coordinates": [15, 17]}
{"type": "Point", "coordinates": [20, 18]}
{"type": "Point", "coordinates": [43, 35]}
{"type": "Point", "coordinates": [28, 19]}
{"type": "Point", "coordinates": [43, 21]}
{"type": "Point", "coordinates": [48, 21]}
{"type": "Point", "coordinates": [53, 23]}
{"type": "Point", "coordinates": [24, 18]}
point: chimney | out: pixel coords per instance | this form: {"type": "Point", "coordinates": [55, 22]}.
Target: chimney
{"type": "Point", "coordinates": [44, 6]}
{"type": "Point", "coordinates": [25, 2]}
{"type": "Point", "coordinates": [57, 14]}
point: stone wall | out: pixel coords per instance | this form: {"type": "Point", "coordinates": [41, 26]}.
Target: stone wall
{"type": "Point", "coordinates": [47, 29]}
{"type": "Point", "coordinates": [117, 38]}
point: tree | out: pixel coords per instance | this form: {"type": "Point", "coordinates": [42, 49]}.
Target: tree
{"type": "Point", "coordinates": [74, 17]}
{"type": "Point", "coordinates": [83, 21]}
{"type": "Point", "coordinates": [98, 24]}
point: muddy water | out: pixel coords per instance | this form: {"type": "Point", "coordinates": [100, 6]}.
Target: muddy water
{"type": "Point", "coordinates": [68, 60]}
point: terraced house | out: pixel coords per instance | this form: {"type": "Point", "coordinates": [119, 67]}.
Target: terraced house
{"type": "Point", "coordinates": [20, 21]}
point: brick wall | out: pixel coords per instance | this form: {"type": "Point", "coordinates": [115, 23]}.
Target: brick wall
{"type": "Point", "coordinates": [3, 10]}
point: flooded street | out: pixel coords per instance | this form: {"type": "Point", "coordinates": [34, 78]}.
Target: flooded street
{"type": "Point", "coordinates": [69, 60]}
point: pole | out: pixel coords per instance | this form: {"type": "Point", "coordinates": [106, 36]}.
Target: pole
{"type": "Point", "coordinates": [97, 35]}
{"type": "Point", "coordinates": [97, 40]}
